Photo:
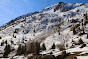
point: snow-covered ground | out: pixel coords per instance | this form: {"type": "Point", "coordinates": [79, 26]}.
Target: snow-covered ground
{"type": "Point", "coordinates": [48, 27]}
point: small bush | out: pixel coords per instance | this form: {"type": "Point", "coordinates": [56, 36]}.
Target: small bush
{"type": "Point", "coordinates": [12, 21]}
{"type": "Point", "coordinates": [2, 43]}
{"type": "Point", "coordinates": [82, 20]}
{"type": "Point", "coordinates": [12, 42]}
{"type": "Point", "coordinates": [86, 19]}
{"type": "Point", "coordinates": [43, 47]}
{"type": "Point", "coordinates": [85, 22]}
{"type": "Point", "coordinates": [73, 46]}
{"type": "Point", "coordinates": [53, 46]}
{"type": "Point", "coordinates": [80, 34]}
{"type": "Point", "coordinates": [85, 16]}
{"type": "Point", "coordinates": [14, 35]}
{"type": "Point", "coordinates": [75, 26]}
{"type": "Point", "coordinates": [83, 45]}
{"type": "Point", "coordinates": [83, 31]}
{"type": "Point", "coordinates": [74, 21]}
{"type": "Point", "coordinates": [80, 41]}
{"type": "Point", "coordinates": [87, 35]}
{"type": "Point", "coordinates": [35, 12]}
{"type": "Point", "coordinates": [0, 37]}
{"type": "Point", "coordinates": [74, 31]}
{"type": "Point", "coordinates": [16, 30]}
{"type": "Point", "coordinates": [6, 42]}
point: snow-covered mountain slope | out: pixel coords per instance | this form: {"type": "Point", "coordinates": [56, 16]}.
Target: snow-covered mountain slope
{"type": "Point", "coordinates": [65, 25]}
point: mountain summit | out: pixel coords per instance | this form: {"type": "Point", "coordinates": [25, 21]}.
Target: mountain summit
{"type": "Point", "coordinates": [56, 32]}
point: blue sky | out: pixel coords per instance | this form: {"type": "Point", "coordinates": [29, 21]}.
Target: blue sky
{"type": "Point", "coordinates": [10, 9]}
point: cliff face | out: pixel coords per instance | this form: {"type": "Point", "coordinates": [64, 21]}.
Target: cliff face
{"type": "Point", "coordinates": [64, 25]}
